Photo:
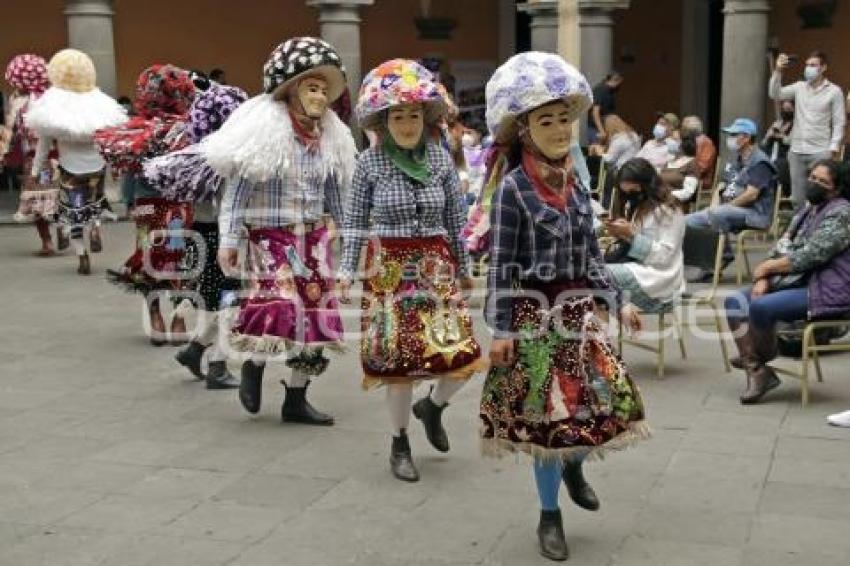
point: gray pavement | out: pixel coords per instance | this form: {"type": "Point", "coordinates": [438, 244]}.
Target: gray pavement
{"type": "Point", "coordinates": [110, 454]}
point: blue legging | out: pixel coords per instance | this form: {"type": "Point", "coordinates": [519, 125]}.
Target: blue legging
{"type": "Point", "coordinates": [548, 477]}
{"type": "Point", "coordinates": [765, 311]}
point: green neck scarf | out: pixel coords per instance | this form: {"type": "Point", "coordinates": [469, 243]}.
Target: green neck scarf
{"type": "Point", "coordinates": [412, 162]}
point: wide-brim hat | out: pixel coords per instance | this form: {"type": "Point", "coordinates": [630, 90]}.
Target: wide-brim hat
{"type": "Point", "coordinates": [28, 73]}
{"type": "Point", "coordinates": [300, 57]}
{"type": "Point", "coordinates": [73, 70]}
{"type": "Point", "coordinates": [212, 108]}
{"type": "Point", "coordinates": [164, 91]}
{"type": "Point", "coordinates": [396, 82]}
{"type": "Point", "coordinates": [530, 80]}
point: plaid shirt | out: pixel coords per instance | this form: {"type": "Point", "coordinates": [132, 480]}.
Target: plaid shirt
{"type": "Point", "coordinates": [533, 242]}
{"type": "Point", "coordinates": [398, 207]}
{"type": "Point", "coordinates": [295, 199]}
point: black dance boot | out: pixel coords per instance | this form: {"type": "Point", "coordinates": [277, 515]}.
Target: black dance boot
{"type": "Point", "coordinates": [430, 414]}
{"type": "Point", "coordinates": [550, 533]}
{"type": "Point", "coordinates": [401, 461]}
{"type": "Point", "coordinates": [190, 358]}
{"type": "Point", "coordinates": [297, 409]}
{"type": "Point", "coordinates": [219, 377]}
{"type": "Point", "coordinates": [251, 386]}
{"type": "Point", "coordinates": [580, 491]}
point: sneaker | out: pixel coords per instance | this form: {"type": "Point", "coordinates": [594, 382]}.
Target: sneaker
{"type": "Point", "coordinates": [839, 419]}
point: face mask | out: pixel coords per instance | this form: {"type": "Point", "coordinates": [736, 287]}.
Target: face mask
{"type": "Point", "coordinates": [815, 193]}
{"type": "Point", "coordinates": [467, 140]}
{"type": "Point", "coordinates": [787, 115]}
{"type": "Point", "coordinates": [406, 124]}
{"type": "Point", "coordinates": [550, 128]}
{"type": "Point", "coordinates": [732, 144]}
{"type": "Point", "coordinates": [673, 146]}
{"type": "Point", "coordinates": [313, 95]}
{"type": "Point", "coordinates": [633, 199]}
{"type": "Point", "coordinates": [811, 73]}
{"type": "Point", "coordinates": [659, 132]}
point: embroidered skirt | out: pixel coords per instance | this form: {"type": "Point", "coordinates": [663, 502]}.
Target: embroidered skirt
{"type": "Point", "coordinates": [211, 283]}
{"type": "Point", "coordinates": [81, 198]}
{"type": "Point", "coordinates": [415, 325]}
{"type": "Point", "coordinates": [291, 299]}
{"type": "Point", "coordinates": [161, 261]}
{"type": "Point", "coordinates": [567, 390]}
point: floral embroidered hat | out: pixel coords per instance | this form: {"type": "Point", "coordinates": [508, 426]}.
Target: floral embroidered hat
{"type": "Point", "coordinates": [527, 81]}
{"type": "Point", "coordinates": [72, 70]}
{"type": "Point", "coordinates": [211, 108]}
{"type": "Point", "coordinates": [28, 73]}
{"type": "Point", "coordinates": [164, 91]}
{"type": "Point", "coordinates": [399, 81]}
{"type": "Point", "coordinates": [302, 56]}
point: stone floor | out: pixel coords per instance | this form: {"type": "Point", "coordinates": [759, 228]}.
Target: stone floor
{"type": "Point", "coordinates": [111, 455]}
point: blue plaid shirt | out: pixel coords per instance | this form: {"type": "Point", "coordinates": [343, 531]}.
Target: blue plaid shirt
{"type": "Point", "coordinates": [533, 242]}
{"type": "Point", "coordinates": [385, 202]}
{"type": "Point", "coordinates": [295, 199]}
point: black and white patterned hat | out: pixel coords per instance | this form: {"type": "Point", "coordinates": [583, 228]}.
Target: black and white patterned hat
{"type": "Point", "coordinates": [300, 56]}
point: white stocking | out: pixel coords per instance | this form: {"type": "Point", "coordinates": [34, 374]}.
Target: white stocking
{"type": "Point", "coordinates": [399, 400]}
{"type": "Point", "coordinates": [298, 379]}
{"type": "Point", "coordinates": [444, 390]}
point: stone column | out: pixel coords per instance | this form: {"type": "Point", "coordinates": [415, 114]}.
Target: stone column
{"type": "Point", "coordinates": [544, 24]}
{"type": "Point", "coordinates": [90, 30]}
{"type": "Point", "coordinates": [694, 68]}
{"type": "Point", "coordinates": [339, 22]}
{"type": "Point", "coordinates": [744, 87]}
{"type": "Point", "coordinates": [596, 30]}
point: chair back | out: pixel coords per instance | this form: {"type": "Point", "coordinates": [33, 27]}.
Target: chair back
{"type": "Point", "coordinates": [703, 248]}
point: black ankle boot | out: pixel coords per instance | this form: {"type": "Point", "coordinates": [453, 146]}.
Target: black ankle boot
{"type": "Point", "coordinates": [580, 491]}
{"type": "Point", "coordinates": [190, 358]}
{"type": "Point", "coordinates": [251, 386]}
{"type": "Point", "coordinates": [550, 533]}
{"type": "Point", "coordinates": [401, 461]}
{"type": "Point", "coordinates": [430, 414]}
{"type": "Point", "coordinates": [219, 377]}
{"type": "Point", "coordinates": [297, 409]}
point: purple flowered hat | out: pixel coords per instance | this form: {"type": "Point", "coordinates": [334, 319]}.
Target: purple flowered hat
{"type": "Point", "coordinates": [211, 108]}
{"type": "Point", "coordinates": [527, 81]}
{"type": "Point", "coordinates": [399, 81]}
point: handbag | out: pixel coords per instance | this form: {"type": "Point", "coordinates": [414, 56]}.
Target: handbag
{"type": "Point", "coordinates": [788, 281]}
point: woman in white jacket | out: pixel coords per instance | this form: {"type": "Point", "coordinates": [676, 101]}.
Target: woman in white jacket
{"type": "Point", "coordinates": [651, 276]}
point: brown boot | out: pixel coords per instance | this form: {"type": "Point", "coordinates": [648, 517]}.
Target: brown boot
{"type": "Point", "coordinates": [95, 243]}
{"type": "Point", "coordinates": [46, 242]}
{"type": "Point", "coordinates": [760, 380]}
{"type": "Point", "coordinates": [755, 349]}
{"type": "Point", "coordinates": [85, 265]}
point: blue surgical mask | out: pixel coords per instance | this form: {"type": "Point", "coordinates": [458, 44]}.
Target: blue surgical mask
{"type": "Point", "coordinates": [673, 145]}
{"type": "Point", "coordinates": [659, 132]}
{"type": "Point", "coordinates": [811, 73]}
{"type": "Point", "coordinates": [732, 144]}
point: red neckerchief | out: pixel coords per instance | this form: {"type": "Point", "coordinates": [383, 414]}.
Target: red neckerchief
{"type": "Point", "coordinates": [553, 184]}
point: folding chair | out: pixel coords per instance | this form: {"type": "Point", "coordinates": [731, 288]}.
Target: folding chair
{"type": "Point", "coordinates": [811, 353]}
{"type": "Point", "coordinates": [705, 194]}
{"type": "Point", "coordinates": [658, 346]}
{"type": "Point", "coordinates": [753, 239]}
{"type": "Point", "coordinates": [697, 254]}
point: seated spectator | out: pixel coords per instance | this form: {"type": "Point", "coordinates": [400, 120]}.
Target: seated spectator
{"type": "Point", "coordinates": [655, 150]}
{"type": "Point", "coordinates": [808, 276]}
{"type": "Point", "coordinates": [651, 272]}
{"type": "Point", "coordinates": [706, 155]}
{"type": "Point", "coordinates": [623, 143]}
{"type": "Point", "coordinates": [777, 142]}
{"type": "Point", "coordinates": [682, 173]}
{"type": "Point", "coordinates": [747, 189]}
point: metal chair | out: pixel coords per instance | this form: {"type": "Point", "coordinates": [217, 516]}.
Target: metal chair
{"type": "Point", "coordinates": [706, 194]}
{"type": "Point", "coordinates": [753, 239]}
{"type": "Point", "coordinates": [811, 353]}
{"type": "Point", "coordinates": [658, 346]}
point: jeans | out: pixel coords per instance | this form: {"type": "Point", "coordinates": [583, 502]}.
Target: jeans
{"type": "Point", "coordinates": [799, 165]}
{"type": "Point", "coordinates": [722, 218]}
{"type": "Point", "coordinates": [764, 312]}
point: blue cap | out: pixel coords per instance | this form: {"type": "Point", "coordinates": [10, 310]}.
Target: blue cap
{"type": "Point", "coordinates": [742, 126]}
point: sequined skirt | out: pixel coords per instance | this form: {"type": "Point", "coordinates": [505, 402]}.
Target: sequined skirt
{"type": "Point", "coordinates": [161, 260]}
{"type": "Point", "coordinates": [82, 198]}
{"type": "Point", "coordinates": [291, 299]}
{"type": "Point", "coordinates": [211, 284]}
{"type": "Point", "coordinates": [567, 391]}
{"type": "Point", "coordinates": [415, 324]}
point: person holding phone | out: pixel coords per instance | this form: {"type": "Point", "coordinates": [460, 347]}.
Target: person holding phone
{"type": "Point", "coordinates": [819, 117]}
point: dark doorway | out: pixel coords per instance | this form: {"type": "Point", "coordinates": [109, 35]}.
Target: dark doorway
{"type": "Point", "coordinates": [715, 66]}
{"type": "Point", "coordinates": [523, 32]}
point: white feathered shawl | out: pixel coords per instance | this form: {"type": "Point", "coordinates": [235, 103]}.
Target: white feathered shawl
{"type": "Point", "coordinates": [73, 116]}
{"type": "Point", "coordinates": [257, 143]}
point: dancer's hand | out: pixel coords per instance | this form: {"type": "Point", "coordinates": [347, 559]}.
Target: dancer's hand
{"type": "Point", "coordinates": [228, 260]}
{"type": "Point", "coordinates": [502, 353]}
{"type": "Point", "coordinates": [344, 288]}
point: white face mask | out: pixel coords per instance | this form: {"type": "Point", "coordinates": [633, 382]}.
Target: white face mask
{"type": "Point", "coordinates": [659, 132]}
{"type": "Point", "coordinates": [811, 73]}
{"type": "Point", "coordinates": [468, 140]}
{"type": "Point", "coordinates": [732, 144]}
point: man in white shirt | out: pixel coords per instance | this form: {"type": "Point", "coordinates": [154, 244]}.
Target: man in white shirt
{"type": "Point", "coordinates": [819, 118]}
{"type": "Point", "coordinates": [664, 136]}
